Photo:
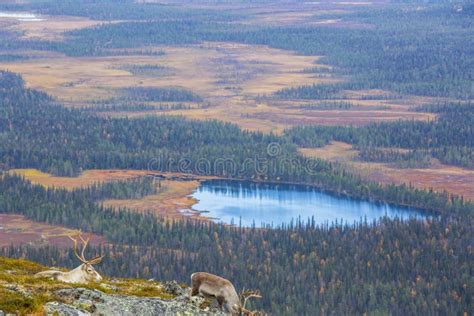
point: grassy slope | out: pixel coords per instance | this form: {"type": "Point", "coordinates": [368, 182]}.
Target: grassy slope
{"type": "Point", "coordinates": [22, 294]}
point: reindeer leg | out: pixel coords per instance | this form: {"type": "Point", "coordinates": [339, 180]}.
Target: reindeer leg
{"type": "Point", "coordinates": [220, 301]}
{"type": "Point", "coordinates": [195, 290]}
{"type": "Point", "coordinates": [48, 274]}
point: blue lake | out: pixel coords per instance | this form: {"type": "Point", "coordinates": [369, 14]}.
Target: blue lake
{"type": "Point", "coordinates": [248, 203]}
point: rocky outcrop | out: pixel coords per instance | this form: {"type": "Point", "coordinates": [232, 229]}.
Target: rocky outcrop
{"type": "Point", "coordinates": [23, 294]}
{"type": "Point", "coordinates": [82, 302]}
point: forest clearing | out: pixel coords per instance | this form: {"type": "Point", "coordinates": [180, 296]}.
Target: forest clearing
{"type": "Point", "coordinates": [235, 81]}
{"type": "Point", "coordinates": [17, 230]}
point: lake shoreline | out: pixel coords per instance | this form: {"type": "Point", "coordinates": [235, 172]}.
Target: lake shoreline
{"type": "Point", "coordinates": [251, 202]}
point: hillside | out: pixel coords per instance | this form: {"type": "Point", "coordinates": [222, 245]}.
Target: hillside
{"type": "Point", "coordinates": [21, 294]}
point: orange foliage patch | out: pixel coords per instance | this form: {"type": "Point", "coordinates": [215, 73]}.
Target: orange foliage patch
{"type": "Point", "coordinates": [16, 230]}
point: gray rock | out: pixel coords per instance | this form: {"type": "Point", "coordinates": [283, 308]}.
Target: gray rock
{"type": "Point", "coordinates": [2, 313]}
{"type": "Point", "coordinates": [19, 289]}
{"type": "Point", "coordinates": [93, 302]}
{"type": "Point", "coordinates": [110, 287]}
{"type": "Point", "coordinates": [196, 300]}
{"type": "Point", "coordinates": [173, 288]}
{"type": "Point", "coordinates": [60, 309]}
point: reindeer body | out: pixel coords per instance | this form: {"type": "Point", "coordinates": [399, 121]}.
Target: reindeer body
{"type": "Point", "coordinates": [84, 273]}
{"type": "Point", "coordinates": [210, 285]}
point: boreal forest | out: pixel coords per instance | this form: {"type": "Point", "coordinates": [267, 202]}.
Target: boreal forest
{"type": "Point", "coordinates": [115, 113]}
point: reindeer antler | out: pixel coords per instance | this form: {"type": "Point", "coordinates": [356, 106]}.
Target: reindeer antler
{"type": "Point", "coordinates": [85, 243]}
{"type": "Point", "coordinates": [74, 240]}
{"type": "Point", "coordinates": [246, 295]}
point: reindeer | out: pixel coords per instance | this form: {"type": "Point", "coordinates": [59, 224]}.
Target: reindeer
{"type": "Point", "coordinates": [84, 273]}
{"type": "Point", "coordinates": [213, 286]}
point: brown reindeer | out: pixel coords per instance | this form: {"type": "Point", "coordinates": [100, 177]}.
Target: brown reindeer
{"type": "Point", "coordinates": [84, 273]}
{"type": "Point", "coordinates": [213, 286]}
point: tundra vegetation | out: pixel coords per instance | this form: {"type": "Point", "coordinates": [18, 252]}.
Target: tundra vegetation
{"type": "Point", "coordinates": [23, 294]}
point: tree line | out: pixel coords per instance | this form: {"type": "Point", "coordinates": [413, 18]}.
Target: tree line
{"type": "Point", "coordinates": [161, 94]}
{"type": "Point", "coordinates": [116, 10]}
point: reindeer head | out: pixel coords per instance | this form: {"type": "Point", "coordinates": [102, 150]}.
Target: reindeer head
{"type": "Point", "coordinates": [245, 295]}
{"type": "Point", "coordinates": [88, 273]}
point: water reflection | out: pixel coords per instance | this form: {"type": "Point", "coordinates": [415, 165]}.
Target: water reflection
{"type": "Point", "coordinates": [249, 203]}
{"type": "Point", "coordinates": [20, 16]}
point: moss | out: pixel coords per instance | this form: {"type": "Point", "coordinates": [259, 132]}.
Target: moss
{"type": "Point", "coordinates": [19, 265]}
{"type": "Point", "coordinates": [15, 302]}
{"type": "Point", "coordinates": [138, 287]}
{"type": "Point", "coordinates": [149, 291]}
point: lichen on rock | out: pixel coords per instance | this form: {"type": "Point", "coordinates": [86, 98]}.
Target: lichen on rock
{"type": "Point", "coordinates": [82, 301]}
